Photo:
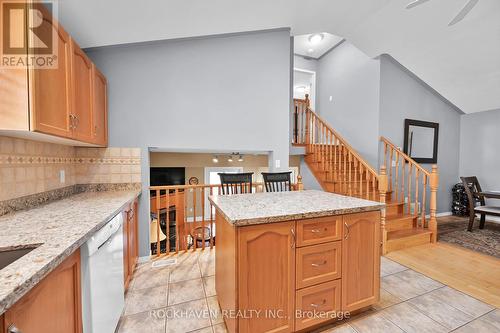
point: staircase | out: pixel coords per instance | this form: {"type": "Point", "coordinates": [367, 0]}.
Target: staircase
{"type": "Point", "coordinates": [408, 190]}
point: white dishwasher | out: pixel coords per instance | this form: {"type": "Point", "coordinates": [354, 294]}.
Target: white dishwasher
{"type": "Point", "coordinates": [102, 278]}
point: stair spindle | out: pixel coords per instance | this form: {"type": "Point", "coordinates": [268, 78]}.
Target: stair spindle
{"type": "Point", "coordinates": [415, 211]}
{"type": "Point", "coordinates": [158, 224]}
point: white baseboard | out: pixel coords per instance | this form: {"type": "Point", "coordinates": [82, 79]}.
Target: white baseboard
{"type": "Point", "coordinates": [439, 214]}
{"type": "Point", "coordinates": [444, 214]}
{"type": "Point", "coordinates": [489, 218]}
{"type": "Point", "coordinates": [494, 219]}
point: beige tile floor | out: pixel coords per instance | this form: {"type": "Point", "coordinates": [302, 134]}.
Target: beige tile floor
{"type": "Point", "coordinates": [182, 298]}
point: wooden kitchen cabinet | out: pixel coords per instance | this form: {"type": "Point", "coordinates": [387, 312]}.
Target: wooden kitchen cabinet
{"type": "Point", "coordinates": [99, 108]}
{"type": "Point", "coordinates": [82, 89]}
{"type": "Point", "coordinates": [50, 95]}
{"type": "Point", "coordinates": [130, 241]}
{"type": "Point", "coordinates": [53, 305]}
{"type": "Point", "coordinates": [360, 260]}
{"type": "Point", "coordinates": [266, 271]}
{"type": "Point", "coordinates": [305, 272]}
{"type": "Point", "coordinates": [66, 104]}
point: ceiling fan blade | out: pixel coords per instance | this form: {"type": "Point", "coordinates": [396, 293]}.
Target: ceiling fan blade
{"type": "Point", "coordinates": [467, 8]}
{"type": "Point", "coordinates": [415, 3]}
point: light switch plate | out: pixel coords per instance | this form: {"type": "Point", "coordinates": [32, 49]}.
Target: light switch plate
{"type": "Point", "coordinates": [277, 163]}
{"type": "Point", "coordinates": [62, 176]}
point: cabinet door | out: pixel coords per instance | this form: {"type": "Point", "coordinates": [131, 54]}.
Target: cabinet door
{"type": "Point", "coordinates": [360, 260]}
{"type": "Point", "coordinates": [132, 245]}
{"type": "Point", "coordinates": [100, 109]}
{"type": "Point", "coordinates": [50, 89]}
{"type": "Point", "coordinates": [54, 305]}
{"type": "Point", "coordinates": [266, 264]}
{"type": "Point", "coordinates": [81, 80]}
{"type": "Point", "coordinates": [126, 277]}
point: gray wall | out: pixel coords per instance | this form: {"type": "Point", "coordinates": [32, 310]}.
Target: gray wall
{"type": "Point", "coordinates": [221, 93]}
{"type": "Point", "coordinates": [402, 95]}
{"type": "Point", "coordinates": [303, 63]}
{"type": "Point", "coordinates": [308, 179]}
{"type": "Point", "coordinates": [479, 148]}
{"type": "Point", "coordinates": [353, 80]}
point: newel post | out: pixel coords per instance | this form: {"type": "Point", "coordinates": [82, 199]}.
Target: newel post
{"type": "Point", "coordinates": [434, 183]}
{"type": "Point", "coordinates": [382, 187]}
{"type": "Point", "coordinates": [300, 186]}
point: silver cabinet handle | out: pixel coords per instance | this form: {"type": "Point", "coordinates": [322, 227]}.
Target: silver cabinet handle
{"type": "Point", "coordinates": [13, 329]}
{"type": "Point", "coordinates": [348, 230]}
{"type": "Point", "coordinates": [292, 231]}
{"type": "Point", "coordinates": [314, 305]}
{"type": "Point", "coordinates": [320, 264]}
{"type": "Point", "coordinates": [77, 121]}
{"type": "Point", "coordinates": [71, 122]}
{"type": "Point", "coordinates": [317, 231]}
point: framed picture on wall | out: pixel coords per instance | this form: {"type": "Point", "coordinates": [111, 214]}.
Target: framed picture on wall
{"type": "Point", "coordinates": [421, 140]}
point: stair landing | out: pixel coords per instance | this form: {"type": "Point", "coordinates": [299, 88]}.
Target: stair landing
{"type": "Point", "coordinates": [402, 229]}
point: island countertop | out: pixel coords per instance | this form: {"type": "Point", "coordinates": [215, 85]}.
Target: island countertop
{"type": "Point", "coordinates": [57, 229]}
{"type": "Point", "coordinates": [269, 207]}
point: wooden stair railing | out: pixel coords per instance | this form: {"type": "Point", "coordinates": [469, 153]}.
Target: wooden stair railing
{"type": "Point", "coordinates": [409, 183]}
{"type": "Point", "coordinates": [401, 184]}
{"type": "Point", "coordinates": [341, 164]}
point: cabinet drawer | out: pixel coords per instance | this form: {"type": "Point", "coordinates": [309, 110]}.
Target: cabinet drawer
{"type": "Point", "coordinates": [319, 230]}
{"type": "Point", "coordinates": [318, 263]}
{"type": "Point", "coordinates": [317, 304]}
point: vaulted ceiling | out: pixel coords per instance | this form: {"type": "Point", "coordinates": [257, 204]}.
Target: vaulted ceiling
{"type": "Point", "coordinates": [461, 62]}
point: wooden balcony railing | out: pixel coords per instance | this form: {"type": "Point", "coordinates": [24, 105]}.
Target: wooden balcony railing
{"type": "Point", "coordinates": [409, 183]}
{"type": "Point", "coordinates": [186, 216]}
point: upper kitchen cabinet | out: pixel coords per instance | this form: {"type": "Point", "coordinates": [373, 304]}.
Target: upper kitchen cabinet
{"type": "Point", "coordinates": [64, 103]}
{"type": "Point", "coordinates": [100, 108]}
{"type": "Point", "coordinates": [82, 87]}
{"type": "Point", "coordinates": [50, 89]}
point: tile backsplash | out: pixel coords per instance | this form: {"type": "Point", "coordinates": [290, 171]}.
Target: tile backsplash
{"type": "Point", "coordinates": [29, 167]}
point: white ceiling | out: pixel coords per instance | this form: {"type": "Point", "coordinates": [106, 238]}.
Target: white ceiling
{"type": "Point", "coordinates": [461, 62]}
{"type": "Point", "coordinates": [304, 47]}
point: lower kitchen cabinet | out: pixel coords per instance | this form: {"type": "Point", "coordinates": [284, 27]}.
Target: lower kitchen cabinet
{"type": "Point", "coordinates": [266, 270]}
{"type": "Point", "coordinates": [130, 241]}
{"type": "Point", "coordinates": [297, 275]}
{"type": "Point", "coordinates": [52, 306]}
{"type": "Point", "coordinates": [360, 260]}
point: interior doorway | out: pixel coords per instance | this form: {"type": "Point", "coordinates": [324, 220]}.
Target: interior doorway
{"type": "Point", "coordinates": [304, 82]}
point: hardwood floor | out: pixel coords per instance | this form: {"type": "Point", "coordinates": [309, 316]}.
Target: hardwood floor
{"type": "Point", "coordinates": [473, 273]}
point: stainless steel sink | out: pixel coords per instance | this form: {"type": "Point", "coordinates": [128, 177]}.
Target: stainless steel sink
{"type": "Point", "coordinates": [9, 256]}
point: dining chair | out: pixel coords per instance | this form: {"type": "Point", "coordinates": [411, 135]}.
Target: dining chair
{"type": "Point", "coordinates": [277, 181]}
{"type": "Point", "coordinates": [236, 183]}
{"type": "Point", "coordinates": [477, 204]}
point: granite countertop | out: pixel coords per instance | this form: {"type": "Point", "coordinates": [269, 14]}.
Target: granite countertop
{"type": "Point", "coordinates": [60, 227]}
{"type": "Point", "coordinates": [258, 208]}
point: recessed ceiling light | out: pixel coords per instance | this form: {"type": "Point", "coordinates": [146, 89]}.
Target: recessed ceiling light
{"type": "Point", "coordinates": [310, 51]}
{"type": "Point", "coordinates": [316, 38]}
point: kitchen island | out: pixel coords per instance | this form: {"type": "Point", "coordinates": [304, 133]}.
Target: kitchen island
{"type": "Point", "coordinates": [294, 261]}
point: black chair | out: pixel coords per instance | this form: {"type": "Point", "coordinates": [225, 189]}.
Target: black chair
{"type": "Point", "coordinates": [236, 183]}
{"type": "Point", "coordinates": [277, 181]}
{"type": "Point", "coordinates": [473, 190]}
